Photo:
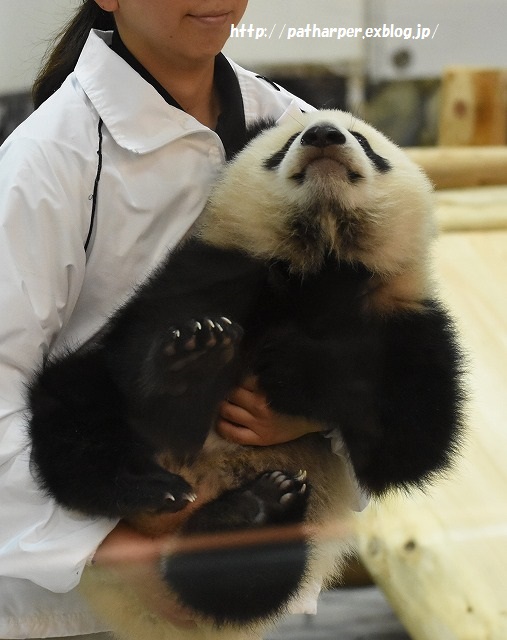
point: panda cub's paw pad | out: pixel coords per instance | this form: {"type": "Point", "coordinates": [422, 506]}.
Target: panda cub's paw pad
{"type": "Point", "coordinates": [196, 338]}
{"type": "Point", "coordinates": [281, 496]}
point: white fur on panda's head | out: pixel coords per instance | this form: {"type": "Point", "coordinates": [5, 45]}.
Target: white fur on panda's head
{"type": "Point", "coordinates": [323, 183]}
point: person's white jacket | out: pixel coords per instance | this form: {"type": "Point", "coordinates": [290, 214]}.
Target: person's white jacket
{"type": "Point", "coordinates": [157, 167]}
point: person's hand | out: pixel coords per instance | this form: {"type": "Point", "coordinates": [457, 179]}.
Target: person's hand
{"type": "Point", "coordinates": [135, 558]}
{"type": "Point", "coordinates": [246, 418]}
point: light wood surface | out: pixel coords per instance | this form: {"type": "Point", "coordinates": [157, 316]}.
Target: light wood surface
{"type": "Point", "coordinates": [472, 209]}
{"type": "Point", "coordinates": [441, 558]}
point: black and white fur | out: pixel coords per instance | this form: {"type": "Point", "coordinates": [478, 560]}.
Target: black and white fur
{"type": "Point", "coordinates": [308, 268]}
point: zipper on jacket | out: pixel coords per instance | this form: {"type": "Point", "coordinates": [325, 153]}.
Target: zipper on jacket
{"type": "Point", "coordinates": [95, 189]}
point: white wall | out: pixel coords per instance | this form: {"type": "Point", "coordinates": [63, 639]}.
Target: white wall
{"type": "Point", "coordinates": [26, 26]}
{"type": "Point", "coordinates": [469, 32]}
{"type": "Point", "coordinates": [279, 17]}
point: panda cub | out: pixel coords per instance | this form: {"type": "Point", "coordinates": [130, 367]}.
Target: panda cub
{"type": "Point", "coordinates": [309, 269]}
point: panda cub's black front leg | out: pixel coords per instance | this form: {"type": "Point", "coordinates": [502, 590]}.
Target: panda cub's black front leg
{"type": "Point", "coordinates": [188, 353]}
{"type": "Point", "coordinates": [234, 583]}
{"type": "Point", "coordinates": [186, 372]}
{"type": "Point", "coordinates": [96, 426]}
{"type": "Point", "coordinates": [83, 452]}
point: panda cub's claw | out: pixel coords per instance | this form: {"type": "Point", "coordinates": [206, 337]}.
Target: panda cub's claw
{"type": "Point", "coordinates": [194, 339]}
{"type": "Point", "coordinates": [190, 354]}
{"type": "Point", "coordinates": [150, 489]}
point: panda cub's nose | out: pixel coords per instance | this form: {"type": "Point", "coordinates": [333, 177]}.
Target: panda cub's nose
{"type": "Point", "coordinates": [322, 135]}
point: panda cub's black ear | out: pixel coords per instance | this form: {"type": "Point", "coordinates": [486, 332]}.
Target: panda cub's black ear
{"type": "Point", "coordinates": [257, 127]}
{"type": "Point", "coordinates": [252, 131]}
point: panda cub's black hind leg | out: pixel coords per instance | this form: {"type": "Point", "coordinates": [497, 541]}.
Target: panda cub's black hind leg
{"type": "Point", "coordinates": [273, 497]}
{"type": "Point", "coordinates": [238, 583]}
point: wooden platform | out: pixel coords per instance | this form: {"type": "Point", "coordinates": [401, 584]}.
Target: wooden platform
{"type": "Point", "coordinates": [441, 558]}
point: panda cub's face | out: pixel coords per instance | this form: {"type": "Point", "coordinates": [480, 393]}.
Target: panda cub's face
{"type": "Point", "coordinates": [326, 166]}
{"type": "Point", "coordinates": [323, 183]}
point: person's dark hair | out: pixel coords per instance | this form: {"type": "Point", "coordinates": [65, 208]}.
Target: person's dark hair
{"type": "Point", "coordinates": [61, 58]}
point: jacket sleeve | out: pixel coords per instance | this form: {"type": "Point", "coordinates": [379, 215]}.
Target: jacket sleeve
{"type": "Point", "coordinates": [44, 213]}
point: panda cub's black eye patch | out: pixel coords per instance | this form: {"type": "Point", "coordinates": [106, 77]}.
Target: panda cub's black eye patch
{"type": "Point", "coordinates": [380, 163]}
{"type": "Point", "coordinates": [274, 161]}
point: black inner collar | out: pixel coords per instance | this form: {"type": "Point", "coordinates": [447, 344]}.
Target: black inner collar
{"type": "Point", "coordinates": [231, 127]}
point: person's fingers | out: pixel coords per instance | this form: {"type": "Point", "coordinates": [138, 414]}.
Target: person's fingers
{"type": "Point", "coordinates": [254, 402]}
{"type": "Point", "coordinates": [236, 413]}
{"type": "Point", "coordinates": [247, 399]}
{"type": "Point", "coordinates": [237, 434]}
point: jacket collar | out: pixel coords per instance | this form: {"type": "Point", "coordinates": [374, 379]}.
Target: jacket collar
{"type": "Point", "coordinates": [136, 115]}
{"type": "Point", "coordinates": [231, 127]}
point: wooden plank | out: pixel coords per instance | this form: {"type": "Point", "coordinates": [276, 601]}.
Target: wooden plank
{"type": "Point", "coordinates": [473, 107]}
{"type": "Point", "coordinates": [449, 167]}
{"type": "Point", "coordinates": [441, 558]}
{"type": "Point", "coordinates": [473, 209]}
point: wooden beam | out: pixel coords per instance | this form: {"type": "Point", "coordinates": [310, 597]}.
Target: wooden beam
{"type": "Point", "coordinates": [451, 167]}
{"type": "Point", "coordinates": [473, 107]}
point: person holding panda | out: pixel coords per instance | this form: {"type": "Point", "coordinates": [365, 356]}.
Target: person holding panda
{"type": "Point", "coordinates": [136, 112]}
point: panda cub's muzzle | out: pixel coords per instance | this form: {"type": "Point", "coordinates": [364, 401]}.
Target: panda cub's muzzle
{"type": "Point", "coordinates": [322, 136]}
{"type": "Point", "coordinates": [324, 151]}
